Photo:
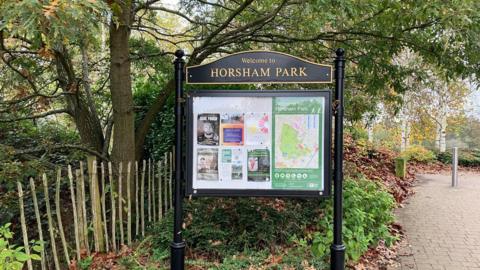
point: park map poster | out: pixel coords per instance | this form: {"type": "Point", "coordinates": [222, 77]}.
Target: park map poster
{"type": "Point", "coordinates": [251, 143]}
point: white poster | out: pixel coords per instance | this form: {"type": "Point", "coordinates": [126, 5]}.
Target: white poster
{"type": "Point", "coordinates": [231, 164]}
{"type": "Point", "coordinates": [257, 126]}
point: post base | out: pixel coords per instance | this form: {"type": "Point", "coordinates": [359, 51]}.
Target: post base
{"type": "Point", "coordinates": [177, 255]}
{"type": "Point", "coordinates": [337, 259]}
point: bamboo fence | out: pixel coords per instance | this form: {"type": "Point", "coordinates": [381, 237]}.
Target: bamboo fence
{"type": "Point", "coordinates": [104, 201]}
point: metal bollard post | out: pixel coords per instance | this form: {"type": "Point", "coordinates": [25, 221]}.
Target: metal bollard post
{"type": "Point", "coordinates": [455, 167]}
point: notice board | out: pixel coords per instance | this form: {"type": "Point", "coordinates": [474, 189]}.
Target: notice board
{"type": "Point", "coordinates": [258, 143]}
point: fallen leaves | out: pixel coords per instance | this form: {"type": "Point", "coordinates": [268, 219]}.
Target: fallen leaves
{"type": "Point", "coordinates": [103, 260]}
{"type": "Point", "coordinates": [377, 164]}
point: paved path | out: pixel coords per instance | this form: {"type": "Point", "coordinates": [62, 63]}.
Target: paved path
{"type": "Point", "coordinates": [442, 224]}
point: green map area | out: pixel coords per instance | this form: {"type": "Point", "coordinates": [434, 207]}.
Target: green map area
{"type": "Point", "coordinates": [290, 141]}
{"type": "Point", "coordinates": [297, 143]}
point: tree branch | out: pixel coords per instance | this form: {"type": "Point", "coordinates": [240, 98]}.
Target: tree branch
{"type": "Point", "coordinates": [57, 147]}
{"type": "Point", "coordinates": [41, 115]}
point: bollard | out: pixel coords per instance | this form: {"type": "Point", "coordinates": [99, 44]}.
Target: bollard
{"type": "Point", "coordinates": [401, 167]}
{"type": "Point", "coordinates": [455, 167]}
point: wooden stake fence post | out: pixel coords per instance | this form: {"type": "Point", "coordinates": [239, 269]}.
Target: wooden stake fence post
{"type": "Point", "coordinates": [74, 208]}
{"type": "Point", "coordinates": [165, 181]}
{"type": "Point", "coordinates": [129, 207]}
{"type": "Point", "coordinates": [149, 201]}
{"type": "Point", "coordinates": [104, 207]}
{"type": "Point", "coordinates": [142, 198]}
{"type": "Point", "coordinates": [120, 203]}
{"type": "Point", "coordinates": [39, 222]}
{"type": "Point", "coordinates": [154, 203]}
{"type": "Point", "coordinates": [112, 199]}
{"type": "Point", "coordinates": [137, 206]}
{"type": "Point", "coordinates": [50, 224]}
{"type": "Point", "coordinates": [160, 211]}
{"type": "Point", "coordinates": [81, 222]}
{"type": "Point", "coordinates": [59, 216]}
{"type": "Point", "coordinates": [84, 208]}
{"type": "Point", "coordinates": [96, 207]}
{"type": "Point", "coordinates": [23, 224]}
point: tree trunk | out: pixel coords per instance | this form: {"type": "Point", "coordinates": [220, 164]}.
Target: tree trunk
{"type": "Point", "coordinates": [123, 149]}
{"type": "Point", "coordinates": [443, 133]}
{"type": "Point", "coordinates": [370, 132]}
{"type": "Point", "coordinates": [437, 136]}
{"type": "Point", "coordinates": [85, 119]}
{"type": "Point", "coordinates": [121, 85]}
{"type": "Point", "coordinates": [405, 135]}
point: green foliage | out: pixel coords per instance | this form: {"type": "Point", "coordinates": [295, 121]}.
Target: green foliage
{"type": "Point", "coordinates": [85, 263]}
{"type": "Point", "coordinates": [52, 23]}
{"type": "Point", "coordinates": [11, 256]}
{"type": "Point", "coordinates": [418, 153]}
{"type": "Point", "coordinates": [465, 158]}
{"type": "Point", "coordinates": [244, 232]}
{"type": "Point", "coordinates": [367, 214]}
{"type": "Point", "coordinates": [222, 227]}
{"type": "Point", "coordinates": [357, 132]}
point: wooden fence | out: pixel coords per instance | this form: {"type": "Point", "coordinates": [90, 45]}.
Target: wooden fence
{"type": "Point", "coordinates": [110, 204]}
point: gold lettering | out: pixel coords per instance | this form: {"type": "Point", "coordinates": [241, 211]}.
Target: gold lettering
{"type": "Point", "coordinates": [285, 72]}
{"type": "Point", "coordinates": [230, 72]}
{"type": "Point", "coordinates": [223, 72]}
{"type": "Point", "coordinates": [293, 72]}
{"type": "Point", "coordinates": [265, 72]}
{"type": "Point", "coordinates": [214, 72]}
{"type": "Point", "coordinates": [302, 72]}
{"type": "Point", "coordinates": [277, 71]}
{"type": "Point", "coordinates": [238, 72]}
{"type": "Point", "coordinates": [255, 73]}
{"type": "Point", "coordinates": [246, 72]}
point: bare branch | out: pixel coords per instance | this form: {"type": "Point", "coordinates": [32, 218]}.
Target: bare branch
{"type": "Point", "coordinates": [226, 23]}
{"type": "Point", "coordinates": [3, 51]}
{"type": "Point", "coordinates": [146, 5]}
{"type": "Point", "coordinates": [26, 98]}
{"type": "Point", "coordinates": [215, 4]}
{"type": "Point", "coordinates": [41, 115]}
{"type": "Point", "coordinates": [108, 135]}
{"type": "Point", "coordinates": [178, 13]}
{"type": "Point", "coordinates": [47, 148]}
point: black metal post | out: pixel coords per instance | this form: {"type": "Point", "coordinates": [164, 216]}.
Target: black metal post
{"type": "Point", "coordinates": [177, 247]}
{"type": "Point", "coordinates": [338, 249]}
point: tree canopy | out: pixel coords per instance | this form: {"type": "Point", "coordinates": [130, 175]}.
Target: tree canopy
{"type": "Point", "coordinates": [55, 58]}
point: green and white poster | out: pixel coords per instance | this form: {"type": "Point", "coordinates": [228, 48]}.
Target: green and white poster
{"type": "Point", "coordinates": [297, 143]}
{"type": "Point", "coordinates": [282, 143]}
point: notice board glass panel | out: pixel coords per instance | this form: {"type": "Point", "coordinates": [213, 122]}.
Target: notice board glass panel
{"type": "Point", "coordinates": [258, 143]}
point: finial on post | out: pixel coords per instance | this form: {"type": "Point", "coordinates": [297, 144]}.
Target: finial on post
{"type": "Point", "coordinates": [179, 53]}
{"type": "Point", "coordinates": [340, 52]}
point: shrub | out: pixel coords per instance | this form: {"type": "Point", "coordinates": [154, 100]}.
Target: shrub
{"type": "Point", "coordinates": [11, 256]}
{"type": "Point", "coordinates": [229, 229]}
{"type": "Point", "coordinates": [367, 215]}
{"type": "Point", "coordinates": [418, 153]}
{"type": "Point", "coordinates": [467, 158]}
{"type": "Point", "coordinates": [222, 227]}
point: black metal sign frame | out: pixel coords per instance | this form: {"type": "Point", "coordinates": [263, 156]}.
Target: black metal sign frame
{"type": "Point", "coordinates": [337, 261]}
{"type": "Point", "coordinates": [326, 150]}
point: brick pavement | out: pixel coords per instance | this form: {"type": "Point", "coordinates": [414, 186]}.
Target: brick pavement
{"type": "Point", "coordinates": [442, 224]}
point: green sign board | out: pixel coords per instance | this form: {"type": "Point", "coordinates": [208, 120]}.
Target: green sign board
{"type": "Point", "coordinates": [258, 143]}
